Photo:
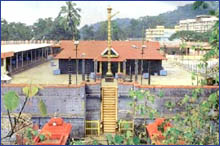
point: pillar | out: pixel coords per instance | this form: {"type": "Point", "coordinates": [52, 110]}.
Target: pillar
{"type": "Point", "coordinates": [22, 60]}
{"type": "Point", "coordinates": [136, 70]}
{"type": "Point", "coordinates": [100, 67]}
{"type": "Point", "coordinates": [10, 67]}
{"type": "Point", "coordinates": [4, 64]}
{"type": "Point", "coordinates": [119, 67]}
{"type": "Point", "coordinates": [83, 69]}
{"type": "Point", "coordinates": [27, 58]}
{"type": "Point", "coordinates": [17, 60]}
{"type": "Point", "coordinates": [124, 67]}
{"type": "Point", "coordinates": [42, 53]}
{"type": "Point", "coordinates": [31, 56]}
{"type": "Point", "coordinates": [35, 55]}
{"type": "Point", "coordinates": [95, 68]}
{"type": "Point", "coordinates": [45, 53]}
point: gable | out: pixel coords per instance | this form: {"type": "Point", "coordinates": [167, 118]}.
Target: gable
{"type": "Point", "coordinates": [113, 53]}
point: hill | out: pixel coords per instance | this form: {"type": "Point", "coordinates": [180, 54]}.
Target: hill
{"type": "Point", "coordinates": [133, 28]}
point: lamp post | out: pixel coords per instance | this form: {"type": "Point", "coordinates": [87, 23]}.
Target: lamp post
{"type": "Point", "coordinates": [83, 66]}
{"type": "Point", "coordinates": [69, 68]}
{"type": "Point", "coordinates": [149, 72]}
{"type": "Point", "coordinates": [76, 43]}
{"type": "Point", "coordinates": [142, 54]}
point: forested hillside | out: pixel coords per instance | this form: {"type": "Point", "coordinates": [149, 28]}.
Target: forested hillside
{"type": "Point", "coordinates": [133, 28]}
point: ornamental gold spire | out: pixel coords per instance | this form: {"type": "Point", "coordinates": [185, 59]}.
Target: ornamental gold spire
{"type": "Point", "coordinates": [109, 72]}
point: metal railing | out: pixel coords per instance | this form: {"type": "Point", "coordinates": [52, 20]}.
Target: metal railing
{"type": "Point", "coordinates": [92, 127]}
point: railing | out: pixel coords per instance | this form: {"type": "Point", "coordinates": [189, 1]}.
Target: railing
{"type": "Point", "coordinates": [126, 125]}
{"type": "Point", "coordinates": [29, 42]}
{"type": "Point", "coordinates": [92, 127]}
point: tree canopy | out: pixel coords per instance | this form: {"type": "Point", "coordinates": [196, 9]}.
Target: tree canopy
{"type": "Point", "coordinates": [191, 36]}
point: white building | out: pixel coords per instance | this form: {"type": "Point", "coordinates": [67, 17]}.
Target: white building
{"type": "Point", "coordinates": [160, 33]}
{"type": "Point", "coordinates": [201, 23]}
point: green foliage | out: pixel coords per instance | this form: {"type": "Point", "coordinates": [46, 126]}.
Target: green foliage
{"type": "Point", "coordinates": [161, 94]}
{"type": "Point", "coordinates": [133, 28]}
{"type": "Point", "coordinates": [30, 91]}
{"type": "Point", "coordinates": [11, 100]}
{"type": "Point", "coordinates": [15, 31]}
{"type": "Point", "coordinates": [186, 35]}
{"type": "Point", "coordinates": [70, 17]}
{"type": "Point", "coordinates": [42, 108]}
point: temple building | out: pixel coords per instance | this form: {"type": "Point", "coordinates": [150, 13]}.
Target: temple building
{"type": "Point", "coordinates": [126, 57]}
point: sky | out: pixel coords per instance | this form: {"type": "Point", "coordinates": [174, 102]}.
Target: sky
{"type": "Point", "coordinates": [91, 11]}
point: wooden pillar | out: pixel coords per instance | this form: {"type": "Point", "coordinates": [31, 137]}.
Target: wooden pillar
{"type": "Point", "coordinates": [42, 53]}
{"type": "Point", "coordinates": [83, 69]}
{"type": "Point", "coordinates": [17, 60]}
{"type": "Point", "coordinates": [136, 70]}
{"type": "Point", "coordinates": [38, 54]}
{"type": "Point", "coordinates": [10, 67]}
{"type": "Point", "coordinates": [35, 55]}
{"type": "Point", "coordinates": [45, 53]}
{"type": "Point", "coordinates": [100, 67]}
{"type": "Point", "coordinates": [124, 67]}
{"type": "Point", "coordinates": [27, 58]}
{"type": "Point", "coordinates": [31, 56]}
{"type": "Point", "coordinates": [95, 68]}
{"type": "Point", "coordinates": [119, 67]}
{"type": "Point", "coordinates": [22, 61]}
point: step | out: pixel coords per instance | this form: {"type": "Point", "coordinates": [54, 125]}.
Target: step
{"type": "Point", "coordinates": [109, 102]}
{"type": "Point", "coordinates": [109, 131]}
{"type": "Point", "coordinates": [107, 106]}
{"type": "Point", "coordinates": [109, 109]}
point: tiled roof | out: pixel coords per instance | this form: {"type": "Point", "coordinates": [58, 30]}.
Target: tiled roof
{"type": "Point", "coordinates": [125, 49]}
{"type": "Point", "coordinates": [7, 54]}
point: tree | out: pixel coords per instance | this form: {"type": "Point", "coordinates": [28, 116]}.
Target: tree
{"type": "Point", "coordinates": [15, 31]}
{"type": "Point", "coordinates": [4, 31]}
{"type": "Point", "coordinates": [42, 29]}
{"type": "Point", "coordinates": [87, 32]}
{"type": "Point", "coordinates": [70, 18]}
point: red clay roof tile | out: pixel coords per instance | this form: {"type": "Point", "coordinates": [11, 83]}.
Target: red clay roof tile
{"type": "Point", "coordinates": [125, 49]}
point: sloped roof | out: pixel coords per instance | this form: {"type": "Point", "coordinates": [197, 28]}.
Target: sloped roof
{"type": "Point", "coordinates": [125, 49]}
{"type": "Point", "coordinates": [22, 47]}
{"type": "Point", "coordinates": [7, 54]}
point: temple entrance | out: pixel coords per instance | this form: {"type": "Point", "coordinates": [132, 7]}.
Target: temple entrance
{"type": "Point", "coordinates": [114, 68]}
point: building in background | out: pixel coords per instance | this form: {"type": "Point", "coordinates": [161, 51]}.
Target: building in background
{"type": "Point", "coordinates": [160, 33]}
{"type": "Point", "coordinates": [201, 23]}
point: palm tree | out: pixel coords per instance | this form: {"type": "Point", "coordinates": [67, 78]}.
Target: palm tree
{"type": "Point", "coordinates": [70, 18]}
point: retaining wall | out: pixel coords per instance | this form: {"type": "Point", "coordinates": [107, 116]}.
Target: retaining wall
{"type": "Point", "coordinates": [171, 93]}
{"type": "Point", "coordinates": [64, 101]}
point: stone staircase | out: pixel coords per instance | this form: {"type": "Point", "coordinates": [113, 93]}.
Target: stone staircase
{"type": "Point", "coordinates": [109, 109]}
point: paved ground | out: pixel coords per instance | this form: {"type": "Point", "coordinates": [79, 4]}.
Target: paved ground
{"type": "Point", "coordinates": [176, 75]}
{"type": "Point", "coordinates": [43, 74]}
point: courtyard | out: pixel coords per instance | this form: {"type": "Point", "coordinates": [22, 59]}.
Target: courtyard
{"type": "Point", "coordinates": [43, 74]}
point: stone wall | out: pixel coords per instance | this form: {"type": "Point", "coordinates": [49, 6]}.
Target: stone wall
{"type": "Point", "coordinates": [171, 93]}
{"type": "Point", "coordinates": [93, 101]}
{"type": "Point", "coordinates": [66, 102]}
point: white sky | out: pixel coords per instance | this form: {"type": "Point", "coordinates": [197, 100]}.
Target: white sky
{"type": "Point", "coordinates": [92, 11]}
